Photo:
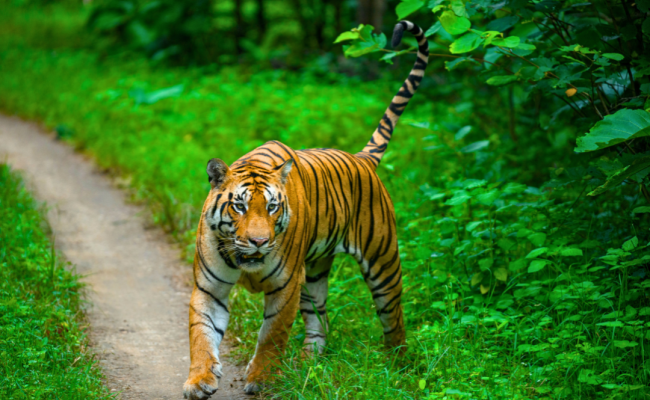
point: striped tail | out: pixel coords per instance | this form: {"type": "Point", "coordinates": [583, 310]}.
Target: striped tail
{"type": "Point", "coordinates": [376, 147]}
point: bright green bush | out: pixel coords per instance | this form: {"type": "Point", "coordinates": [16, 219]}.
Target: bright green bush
{"type": "Point", "coordinates": [43, 346]}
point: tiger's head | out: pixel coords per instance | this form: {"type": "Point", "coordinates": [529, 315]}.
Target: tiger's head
{"type": "Point", "coordinates": [249, 211]}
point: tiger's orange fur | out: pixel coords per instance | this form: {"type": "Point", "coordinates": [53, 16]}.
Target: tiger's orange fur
{"type": "Point", "coordinates": [273, 222]}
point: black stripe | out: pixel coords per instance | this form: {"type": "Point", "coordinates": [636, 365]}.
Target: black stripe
{"type": "Point", "coordinates": [320, 312]}
{"type": "Point", "coordinates": [313, 279]}
{"type": "Point", "coordinates": [278, 289]}
{"type": "Point", "coordinates": [315, 335]}
{"type": "Point", "coordinates": [204, 315]}
{"type": "Point", "coordinates": [214, 208]}
{"type": "Point", "coordinates": [213, 298]}
{"type": "Point", "coordinates": [203, 263]}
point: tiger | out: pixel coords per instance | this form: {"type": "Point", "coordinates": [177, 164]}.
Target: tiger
{"type": "Point", "coordinates": [273, 221]}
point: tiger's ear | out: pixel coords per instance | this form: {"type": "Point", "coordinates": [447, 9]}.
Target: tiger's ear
{"type": "Point", "coordinates": [284, 169]}
{"type": "Point", "coordinates": [217, 172]}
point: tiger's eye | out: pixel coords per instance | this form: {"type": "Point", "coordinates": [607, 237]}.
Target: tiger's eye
{"type": "Point", "coordinates": [240, 207]}
{"type": "Point", "coordinates": [272, 207]}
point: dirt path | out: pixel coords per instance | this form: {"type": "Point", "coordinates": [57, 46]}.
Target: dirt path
{"type": "Point", "coordinates": [138, 283]}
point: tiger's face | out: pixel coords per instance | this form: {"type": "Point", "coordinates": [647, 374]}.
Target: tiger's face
{"type": "Point", "coordinates": [250, 210]}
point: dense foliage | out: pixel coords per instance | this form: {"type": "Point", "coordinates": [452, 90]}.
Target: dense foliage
{"type": "Point", "coordinates": [276, 32]}
{"type": "Point", "coordinates": [43, 351]}
{"type": "Point", "coordinates": [525, 261]}
{"type": "Point", "coordinates": [556, 269]}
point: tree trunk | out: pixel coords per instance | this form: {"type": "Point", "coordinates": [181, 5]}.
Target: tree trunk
{"type": "Point", "coordinates": [371, 12]}
{"type": "Point", "coordinates": [338, 16]}
{"type": "Point", "coordinates": [261, 20]}
{"type": "Point", "coordinates": [319, 22]}
{"type": "Point", "coordinates": [239, 26]}
{"type": "Point", "coordinates": [304, 24]}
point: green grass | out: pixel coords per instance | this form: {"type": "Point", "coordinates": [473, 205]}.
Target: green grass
{"type": "Point", "coordinates": [510, 289]}
{"type": "Point", "coordinates": [43, 345]}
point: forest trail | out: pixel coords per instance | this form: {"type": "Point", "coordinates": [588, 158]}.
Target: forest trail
{"type": "Point", "coordinates": [139, 287]}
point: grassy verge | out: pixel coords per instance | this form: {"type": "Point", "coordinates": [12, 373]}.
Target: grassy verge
{"type": "Point", "coordinates": [43, 352]}
{"type": "Point", "coordinates": [510, 290]}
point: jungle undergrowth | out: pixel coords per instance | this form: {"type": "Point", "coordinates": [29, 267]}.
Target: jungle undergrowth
{"type": "Point", "coordinates": [44, 350]}
{"type": "Point", "coordinates": [516, 285]}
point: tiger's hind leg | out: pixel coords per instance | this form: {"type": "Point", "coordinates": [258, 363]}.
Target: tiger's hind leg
{"type": "Point", "coordinates": [382, 272]}
{"type": "Point", "coordinates": [313, 300]}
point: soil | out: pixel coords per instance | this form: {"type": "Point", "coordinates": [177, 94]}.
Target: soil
{"type": "Point", "coordinates": [139, 288]}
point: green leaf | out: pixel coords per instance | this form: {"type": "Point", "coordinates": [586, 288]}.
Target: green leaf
{"type": "Point", "coordinates": [614, 56]}
{"type": "Point", "coordinates": [489, 197]}
{"type": "Point", "coordinates": [502, 24]}
{"type": "Point", "coordinates": [571, 252]}
{"type": "Point", "coordinates": [485, 264]}
{"type": "Point", "coordinates": [643, 5]}
{"type": "Point", "coordinates": [434, 28]}
{"type": "Point", "coordinates": [462, 247]}
{"type": "Point", "coordinates": [487, 37]}
{"type": "Point", "coordinates": [638, 165]}
{"type": "Point", "coordinates": [449, 65]}
{"type": "Point", "coordinates": [141, 97]}
{"type": "Point", "coordinates": [360, 48]}
{"type": "Point", "coordinates": [458, 7]}
{"type": "Point", "coordinates": [466, 43]}
{"type": "Point", "coordinates": [513, 188]}
{"type": "Point", "coordinates": [457, 199]}
{"type": "Point", "coordinates": [141, 33]}
{"type": "Point", "coordinates": [462, 132]}
{"type": "Point", "coordinates": [108, 21]}
{"type": "Point", "coordinates": [388, 57]}
{"type": "Point", "coordinates": [457, 392]}
{"type": "Point", "coordinates": [524, 49]}
{"type": "Point", "coordinates": [611, 324]}
{"type": "Point", "coordinates": [408, 7]}
{"type": "Point", "coordinates": [587, 376]}
{"type": "Point", "coordinates": [501, 274]}
{"type": "Point", "coordinates": [476, 146]}
{"type": "Point", "coordinates": [613, 314]}
{"type": "Point", "coordinates": [501, 80]}
{"type": "Point", "coordinates": [537, 239]}
{"type": "Point", "coordinates": [365, 31]}
{"type": "Point", "coordinates": [517, 265]}
{"type": "Point", "coordinates": [350, 35]}
{"type": "Point", "coordinates": [621, 344]}
{"type": "Point", "coordinates": [454, 25]}
{"type": "Point", "coordinates": [640, 210]}
{"type": "Point", "coordinates": [473, 183]}
{"type": "Point", "coordinates": [422, 384]}
{"type": "Point", "coordinates": [623, 125]}
{"type": "Point", "coordinates": [437, 8]}
{"type": "Point", "coordinates": [472, 225]}
{"type": "Point", "coordinates": [631, 244]}
{"type": "Point", "coordinates": [537, 252]}
{"type": "Point", "coordinates": [510, 41]}
{"type": "Point", "coordinates": [506, 244]}
{"type": "Point", "coordinates": [537, 265]}
{"type": "Point", "coordinates": [524, 46]}
{"type": "Point", "coordinates": [371, 43]}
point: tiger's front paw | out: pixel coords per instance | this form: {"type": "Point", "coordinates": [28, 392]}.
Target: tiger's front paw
{"type": "Point", "coordinates": [254, 377]}
{"type": "Point", "coordinates": [252, 388]}
{"type": "Point", "coordinates": [202, 383]}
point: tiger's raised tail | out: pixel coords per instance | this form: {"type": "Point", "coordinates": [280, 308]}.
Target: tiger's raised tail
{"type": "Point", "coordinates": [376, 147]}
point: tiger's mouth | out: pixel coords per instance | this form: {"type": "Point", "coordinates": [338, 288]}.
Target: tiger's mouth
{"type": "Point", "coordinates": [246, 259]}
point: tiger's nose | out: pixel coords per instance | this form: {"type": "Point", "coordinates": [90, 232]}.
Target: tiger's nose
{"type": "Point", "coordinates": [259, 242]}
